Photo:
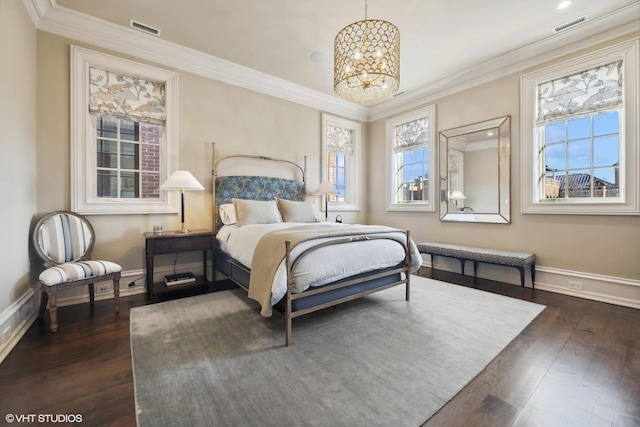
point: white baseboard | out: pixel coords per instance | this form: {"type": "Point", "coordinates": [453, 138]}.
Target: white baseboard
{"type": "Point", "coordinates": [612, 290]}
{"type": "Point", "coordinates": [608, 289]}
{"type": "Point", "coordinates": [18, 318]}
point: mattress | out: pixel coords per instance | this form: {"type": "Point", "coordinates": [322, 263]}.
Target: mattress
{"type": "Point", "coordinates": [325, 265]}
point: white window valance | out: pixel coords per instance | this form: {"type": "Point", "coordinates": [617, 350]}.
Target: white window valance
{"type": "Point", "coordinates": [586, 92]}
{"type": "Point", "coordinates": [411, 135]}
{"type": "Point", "coordinates": [339, 140]}
{"type": "Point", "coordinates": [119, 95]}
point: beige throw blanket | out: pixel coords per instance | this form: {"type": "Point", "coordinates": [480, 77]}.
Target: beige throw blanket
{"type": "Point", "coordinates": [270, 252]}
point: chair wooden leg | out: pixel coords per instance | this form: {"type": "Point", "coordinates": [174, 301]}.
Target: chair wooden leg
{"type": "Point", "coordinates": [53, 307]}
{"type": "Point", "coordinates": [116, 294]}
{"type": "Point", "coordinates": [44, 298]}
{"type": "Point", "coordinates": [92, 294]}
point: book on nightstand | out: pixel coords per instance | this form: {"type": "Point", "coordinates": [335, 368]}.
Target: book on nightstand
{"type": "Point", "coordinates": [179, 279]}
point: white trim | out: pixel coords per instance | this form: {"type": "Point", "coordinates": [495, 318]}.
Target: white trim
{"type": "Point", "coordinates": [594, 32]}
{"type": "Point", "coordinates": [630, 131]}
{"type": "Point", "coordinates": [85, 28]}
{"type": "Point", "coordinates": [23, 312]}
{"type": "Point", "coordinates": [596, 287]}
{"type": "Point", "coordinates": [19, 316]}
{"type": "Point", "coordinates": [390, 124]}
{"type": "Point", "coordinates": [48, 16]}
{"type": "Point", "coordinates": [354, 163]}
{"type": "Point", "coordinates": [83, 166]}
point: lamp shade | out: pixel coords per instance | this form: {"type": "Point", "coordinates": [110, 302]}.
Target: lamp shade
{"type": "Point", "coordinates": [326, 187]}
{"type": "Point", "coordinates": [457, 195]}
{"type": "Point", "coordinates": [181, 180]}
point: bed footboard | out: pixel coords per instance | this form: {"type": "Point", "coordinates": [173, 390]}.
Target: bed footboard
{"type": "Point", "coordinates": [398, 275]}
{"type": "Point", "coordinates": [295, 304]}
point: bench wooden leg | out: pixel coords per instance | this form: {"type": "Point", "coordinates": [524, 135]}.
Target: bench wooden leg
{"type": "Point", "coordinates": [432, 267]}
{"type": "Point", "coordinates": [521, 269]}
{"type": "Point", "coordinates": [533, 276]}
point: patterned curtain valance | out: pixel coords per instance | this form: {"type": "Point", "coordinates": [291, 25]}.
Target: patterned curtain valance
{"type": "Point", "coordinates": [124, 96]}
{"type": "Point", "coordinates": [412, 135]}
{"type": "Point", "coordinates": [339, 140]}
{"type": "Point", "coordinates": [589, 91]}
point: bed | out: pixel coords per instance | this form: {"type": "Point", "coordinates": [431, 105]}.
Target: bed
{"type": "Point", "coordinates": [271, 244]}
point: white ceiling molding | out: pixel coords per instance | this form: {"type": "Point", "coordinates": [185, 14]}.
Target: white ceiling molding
{"type": "Point", "coordinates": [608, 27]}
{"type": "Point", "coordinates": [49, 17]}
{"type": "Point", "coordinates": [84, 28]}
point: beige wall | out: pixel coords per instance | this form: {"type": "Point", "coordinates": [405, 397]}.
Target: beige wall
{"type": "Point", "coordinates": [602, 245]}
{"type": "Point", "coordinates": [18, 148]}
{"type": "Point", "coordinates": [238, 120]}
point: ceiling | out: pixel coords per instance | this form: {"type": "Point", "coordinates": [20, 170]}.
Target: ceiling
{"type": "Point", "coordinates": [439, 39]}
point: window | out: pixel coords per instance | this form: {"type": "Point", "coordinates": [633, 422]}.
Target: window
{"type": "Point", "coordinates": [580, 133]}
{"type": "Point", "coordinates": [124, 135]}
{"type": "Point", "coordinates": [582, 157]}
{"type": "Point", "coordinates": [341, 161]}
{"type": "Point", "coordinates": [128, 158]}
{"type": "Point", "coordinates": [411, 161]}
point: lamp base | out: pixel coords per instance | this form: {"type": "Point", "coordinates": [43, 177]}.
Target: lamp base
{"type": "Point", "coordinates": [183, 230]}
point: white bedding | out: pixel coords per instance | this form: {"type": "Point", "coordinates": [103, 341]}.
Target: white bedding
{"type": "Point", "coordinates": [326, 265]}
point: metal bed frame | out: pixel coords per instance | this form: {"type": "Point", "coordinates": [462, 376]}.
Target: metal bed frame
{"type": "Point", "coordinates": [386, 275]}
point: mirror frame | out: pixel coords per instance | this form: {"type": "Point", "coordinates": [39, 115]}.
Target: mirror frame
{"type": "Point", "coordinates": [502, 215]}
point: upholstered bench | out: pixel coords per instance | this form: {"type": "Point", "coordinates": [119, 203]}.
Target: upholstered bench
{"type": "Point", "coordinates": [519, 260]}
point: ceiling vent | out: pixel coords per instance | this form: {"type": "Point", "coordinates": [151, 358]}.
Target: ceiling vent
{"type": "Point", "coordinates": [569, 24]}
{"type": "Point", "coordinates": [144, 27]}
{"type": "Point", "coordinates": [397, 94]}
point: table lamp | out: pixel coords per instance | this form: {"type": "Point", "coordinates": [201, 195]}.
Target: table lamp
{"type": "Point", "coordinates": [324, 189]}
{"type": "Point", "coordinates": [181, 180]}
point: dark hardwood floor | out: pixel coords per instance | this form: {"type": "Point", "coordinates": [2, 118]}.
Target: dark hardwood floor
{"type": "Point", "coordinates": [577, 364]}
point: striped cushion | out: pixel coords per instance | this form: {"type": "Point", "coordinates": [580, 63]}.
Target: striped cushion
{"type": "Point", "coordinates": [71, 271]}
{"type": "Point", "coordinates": [64, 238]}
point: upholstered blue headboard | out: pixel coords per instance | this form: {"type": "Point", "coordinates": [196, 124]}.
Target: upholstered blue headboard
{"type": "Point", "coordinates": [255, 188]}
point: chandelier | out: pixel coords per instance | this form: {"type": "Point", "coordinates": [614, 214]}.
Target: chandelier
{"type": "Point", "coordinates": [367, 60]}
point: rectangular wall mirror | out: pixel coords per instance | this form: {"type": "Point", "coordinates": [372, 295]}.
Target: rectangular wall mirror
{"type": "Point", "coordinates": [475, 172]}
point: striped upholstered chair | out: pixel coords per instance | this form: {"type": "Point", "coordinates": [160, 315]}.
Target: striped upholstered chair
{"type": "Point", "coordinates": [64, 241]}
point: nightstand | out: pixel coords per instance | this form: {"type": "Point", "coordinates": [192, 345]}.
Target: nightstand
{"type": "Point", "coordinates": [168, 242]}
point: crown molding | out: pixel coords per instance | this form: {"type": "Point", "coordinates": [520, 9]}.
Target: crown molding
{"type": "Point", "coordinates": [51, 18]}
{"type": "Point", "coordinates": [48, 16]}
{"type": "Point", "coordinates": [616, 24]}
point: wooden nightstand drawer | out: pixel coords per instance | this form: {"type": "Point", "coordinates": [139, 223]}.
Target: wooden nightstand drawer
{"type": "Point", "coordinates": [179, 244]}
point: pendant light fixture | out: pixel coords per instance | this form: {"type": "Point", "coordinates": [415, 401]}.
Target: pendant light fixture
{"type": "Point", "coordinates": [367, 60]}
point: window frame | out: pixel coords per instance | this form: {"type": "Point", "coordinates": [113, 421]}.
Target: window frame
{"type": "Point", "coordinates": [629, 201]}
{"type": "Point", "coordinates": [411, 206]}
{"type": "Point", "coordinates": [84, 199]}
{"type": "Point", "coordinates": [352, 163]}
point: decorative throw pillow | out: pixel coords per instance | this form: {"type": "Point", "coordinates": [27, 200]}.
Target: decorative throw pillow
{"type": "Point", "coordinates": [297, 211]}
{"type": "Point", "coordinates": [256, 212]}
{"type": "Point", "coordinates": [228, 214]}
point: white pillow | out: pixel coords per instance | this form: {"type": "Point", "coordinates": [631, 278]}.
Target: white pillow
{"type": "Point", "coordinates": [228, 214]}
{"type": "Point", "coordinates": [256, 212]}
{"type": "Point", "coordinates": [297, 211]}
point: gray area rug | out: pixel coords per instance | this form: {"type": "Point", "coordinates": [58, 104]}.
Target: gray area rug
{"type": "Point", "coordinates": [212, 360]}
